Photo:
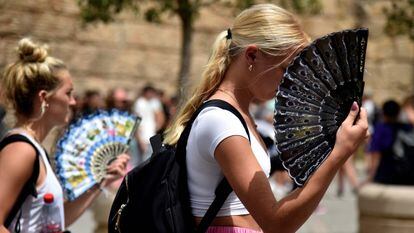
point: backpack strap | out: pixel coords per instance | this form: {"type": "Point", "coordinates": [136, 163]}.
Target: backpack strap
{"type": "Point", "coordinates": [223, 189]}
{"type": "Point", "coordinates": [29, 187]}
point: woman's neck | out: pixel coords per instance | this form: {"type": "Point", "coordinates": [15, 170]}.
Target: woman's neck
{"type": "Point", "coordinates": [37, 129]}
{"type": "Point", "coordinates": [240, 95]}
{"type": "Point", "coordinates": [234, 84]}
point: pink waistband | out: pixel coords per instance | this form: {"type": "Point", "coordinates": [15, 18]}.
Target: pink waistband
{"type": "Point", "coordinates": [230, 229]}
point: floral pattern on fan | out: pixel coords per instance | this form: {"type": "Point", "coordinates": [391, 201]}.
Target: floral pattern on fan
{"type": "Point", "coordinates": [314, 98]}
{"type": "Point", "coordinates": [88, 145]}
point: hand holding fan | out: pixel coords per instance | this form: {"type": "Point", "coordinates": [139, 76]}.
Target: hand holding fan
{"type": "Point", "coordinates": [89, 145]}
{"type": "Point", "coordinates": [315, 97]}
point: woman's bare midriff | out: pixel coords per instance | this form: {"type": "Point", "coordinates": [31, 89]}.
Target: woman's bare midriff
{"type": "Point", "coordinates": [245, 221]}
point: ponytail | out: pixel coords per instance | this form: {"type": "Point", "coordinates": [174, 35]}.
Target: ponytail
{"type": "Point", "coordinates": [211, 79]}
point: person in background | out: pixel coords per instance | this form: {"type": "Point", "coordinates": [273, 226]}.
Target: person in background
{"type": "Point", "coordinates": [92, 101]}
{"type": "Point", "coordinates": [348, 171]}
{"type": "Point", "coordinates": [372, 110]}
{"type": "Point", "coordinates": [39, 88]}
{"type": "Point", "coordinates": [407, 113]}
{"type": "Point", "coordinates": [118, 98]}
{"type": "Point", "coordinates": [380, 147]}
{"type": "Point", "coordinates": [247, 62]}
{"type": "Point", "coordinates": [165, 115]}
{"type": "Point", "coordinates": [148, 107]}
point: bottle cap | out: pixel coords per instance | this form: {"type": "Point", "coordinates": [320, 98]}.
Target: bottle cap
{"type": "Point", "coordinates": [48, 198]}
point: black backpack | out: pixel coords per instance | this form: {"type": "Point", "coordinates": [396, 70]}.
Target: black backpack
{"type": "Point", "coordinates": [154, 197]}
{"type": "Point", "coordinates": [403, 156]}
{"type": "Point", "coordinates": [29, 187]}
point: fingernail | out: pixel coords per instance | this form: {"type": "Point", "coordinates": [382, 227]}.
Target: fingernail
{"type": "Point", "coordinates": [354, 106]}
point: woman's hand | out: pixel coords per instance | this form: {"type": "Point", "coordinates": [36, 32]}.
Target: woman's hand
{"type": "Point", "coordinates": [350, 135]}
{"type": "Point", "coordinates": [116, 170]}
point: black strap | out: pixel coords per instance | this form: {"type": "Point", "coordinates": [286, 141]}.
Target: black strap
{"type": "Point", "coordinates": [29, 187]}
{"type": "Point", "coordinates": [224, 189]}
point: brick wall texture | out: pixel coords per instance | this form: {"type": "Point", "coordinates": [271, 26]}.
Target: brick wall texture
{"type": "Point", "coordinates": [131, 52]}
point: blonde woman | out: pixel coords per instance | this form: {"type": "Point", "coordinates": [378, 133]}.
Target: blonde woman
{"type": "Point", "coordinates": [39, 88]}
{"type": "Point", "coordinates": [247, 63]}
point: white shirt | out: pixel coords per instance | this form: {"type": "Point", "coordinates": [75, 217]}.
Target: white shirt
{"type": "Point", "coordinates": [212, 126]}
{"type": "Point", "coordinates": [31, 219]}
{"type": "Point", "coordinates": [146, 109]}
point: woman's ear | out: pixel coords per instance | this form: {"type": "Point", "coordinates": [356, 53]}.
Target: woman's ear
{"type": "Point", "coordinates": [42, 96]}
{"type": "Point", "coordinates": [250, 54]}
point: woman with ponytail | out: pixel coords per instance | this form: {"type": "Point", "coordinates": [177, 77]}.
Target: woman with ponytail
{"type": "Point", "coordinates": [247, 62]}
{"type": "Point", "coordinates": [39, 88]}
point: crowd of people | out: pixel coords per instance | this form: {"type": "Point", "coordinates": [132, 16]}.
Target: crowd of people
{"type": "Point", "coordinates": [245, 68]}
{"type": "Point", "coordinates": [152, 105]}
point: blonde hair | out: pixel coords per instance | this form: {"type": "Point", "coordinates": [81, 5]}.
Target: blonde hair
{"type": "Point", "coordinates": [272, 29]}
{"type": "Point", "coordinates": [33, 71]}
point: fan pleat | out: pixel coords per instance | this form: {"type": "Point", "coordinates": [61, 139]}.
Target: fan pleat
{"type": "Point", "coordinates": [314, 61]}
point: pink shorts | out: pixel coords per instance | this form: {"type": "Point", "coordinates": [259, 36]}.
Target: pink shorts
{"type": "Point", "coordinates": [230, 229]}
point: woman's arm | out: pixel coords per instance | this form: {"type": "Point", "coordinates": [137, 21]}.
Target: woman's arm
{"type": "Point", "coordinates": [251, 185]}
{"type": "Point", "coordinates": [16, 167]}
{"type": "Point", "coordinates": [74, 209]}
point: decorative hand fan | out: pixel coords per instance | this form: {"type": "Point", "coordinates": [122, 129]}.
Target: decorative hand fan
{"type": "Point", "coordinates": [315, 97]}
{"type": "Point", "coordinates": [89, 145]}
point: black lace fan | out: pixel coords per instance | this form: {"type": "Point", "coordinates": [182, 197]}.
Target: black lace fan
{"type": "Point", "coordinates": [315, 97]}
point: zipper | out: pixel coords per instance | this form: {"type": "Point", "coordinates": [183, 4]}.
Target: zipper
{"type": "Point", "coordinates": [121, 208]}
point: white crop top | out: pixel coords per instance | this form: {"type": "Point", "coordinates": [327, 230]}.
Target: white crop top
{"type": "Point", "coordinates": [31, 219]}
{"type": "Point", "coordinates": [212, 126]}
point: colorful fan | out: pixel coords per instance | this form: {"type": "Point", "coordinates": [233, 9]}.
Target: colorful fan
{"type": "Point", "coordinates": [89, 145]}
{"type": "Point", "coordinates": [315, 97]}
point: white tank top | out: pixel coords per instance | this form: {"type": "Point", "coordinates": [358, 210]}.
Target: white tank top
{"type": "Point", "coordinates": [31, 218]}
{"type": "Point", "coordinates": [211, 127]}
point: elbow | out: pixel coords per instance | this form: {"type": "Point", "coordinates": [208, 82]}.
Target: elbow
{"type": "Point", "coordinates": [280, 222]}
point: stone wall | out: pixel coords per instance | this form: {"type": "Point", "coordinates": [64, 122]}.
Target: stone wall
{"type": "Point", "coordinates": [131, 52]}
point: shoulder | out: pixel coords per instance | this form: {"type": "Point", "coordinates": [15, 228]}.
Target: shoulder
{"type": "Point", "coordinates": [19, 150]}
{"type": "Point", "coordinates": [17, 159]}
{"type": "Point", "coordinates": [213, 125]}
{"type": "Point", "coordinates": [216, 113]}
{"type": "Point", "coordinates": [220, 119]}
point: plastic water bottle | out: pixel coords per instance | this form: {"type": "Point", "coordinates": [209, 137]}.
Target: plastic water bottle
{"type": "Point", "coordinates": [51, 215]}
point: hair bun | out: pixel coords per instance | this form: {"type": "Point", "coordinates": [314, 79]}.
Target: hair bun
{"type": "Point", "coordinates": [31, 52]}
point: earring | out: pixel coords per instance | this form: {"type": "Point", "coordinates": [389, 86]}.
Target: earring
{"type": "Point", "coordinates": [43, 108]}
{"type": "Point", "coordinates": [250, 67]}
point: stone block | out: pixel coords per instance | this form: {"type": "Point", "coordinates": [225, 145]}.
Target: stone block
{"type": "Point", "coordinates": [312, 25]}
{"type": "Point", "coordinates": [59, 6]}
{"type": "Point", "coordinates": [54, 26]}
{"type": "Point", "coordinates": [217, 18]}
{"type": "Point", "coordinates": [375, 9]}
{"type": "Point", "coordinates": [85, 59]}
{"type": "Point", "coordinates": [404, 48]}
{"type": "Point", "coordinates": [376, 225]}
{"type": "Point", "coordinates": [387, 201]}
{"type": "Point", "coordinates": [164, 36]}
{"type": "Point", "coordinates": [380, 48]}
{"type": "Point", "coordinates": [389, 81]}
{"type": "Point", "coordinates": [386, 209]}
{"type": "Point", "coordinates": [13, 22]}
{"type": "Point", "coordinates": [111, 34]}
